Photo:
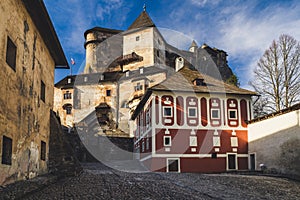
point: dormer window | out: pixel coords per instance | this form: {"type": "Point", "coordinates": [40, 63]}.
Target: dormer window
{"type": "Point", "coordinates": [199, 82]}
{"type": "Point", "coordinates": [69, 80]}
{"type": "Point", "coordinates": [85, 79]}
{"type": "Point", "coordinates": [127, 74]}
{"type": "Point", "coordinates": [141, 70]}
{"type": "Point", "coordinates": [101, 77]}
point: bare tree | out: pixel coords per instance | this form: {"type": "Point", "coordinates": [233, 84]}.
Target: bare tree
{"type": "Point", "coordinates": [277, 75]}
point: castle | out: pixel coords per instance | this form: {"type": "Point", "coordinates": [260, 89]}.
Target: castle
{"type": "Point", "coordinates": [120, 67]}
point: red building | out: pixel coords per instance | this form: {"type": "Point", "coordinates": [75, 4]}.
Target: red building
{"type": "Point", "coordinates": [192, 122]}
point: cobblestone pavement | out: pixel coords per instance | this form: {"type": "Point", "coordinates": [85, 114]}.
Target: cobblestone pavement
{"type": "Point", "coordinates": [99, 182]}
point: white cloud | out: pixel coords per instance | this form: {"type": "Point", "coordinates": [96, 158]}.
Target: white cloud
{"type": "Point", "coordinates": [202, 3]}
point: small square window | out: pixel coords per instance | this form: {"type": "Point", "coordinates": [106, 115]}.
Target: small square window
{"type": "Point", "coordinates": [108, 93]}
{"type": "Point", "coordinates": [43, 91]}
{"type": "Point", "coordinates": [192, 112]}
{"type": "Point", "coordinates": [43, 150]}
{"type": "Point", "coordinates": [215, 114]}
{"type": "Point", "coordinates": [6, 150]}
{"type": "Point", "coordinates": [11, 54]}
{"type": "Point", "coordinates": [137, 38]}
{"type": "Point", "coordinates": [167, 141]}
{"type": "Point", "coordinates": [214, 155]}
{"type": "Point", "coordinates": [167, 112]}
{"type": "Point", "coordinates": [232, 114]}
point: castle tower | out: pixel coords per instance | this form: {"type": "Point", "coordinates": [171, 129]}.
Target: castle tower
{"type": "Point", "coordinates": [144, 39]}
{"type": "Point", "coordinates": [93, 37]}
{"type": "Point", "coordinates": [193, 47]}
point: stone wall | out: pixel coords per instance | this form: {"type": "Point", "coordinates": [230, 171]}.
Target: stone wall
{"type": "Point", "coordinates": [24, 115]}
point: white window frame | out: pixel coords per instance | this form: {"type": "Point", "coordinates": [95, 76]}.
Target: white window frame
{"type": "Point", "coordinates": [234, 142]}
{"type": "Point", "coordinates": [164, 107]}
{"type": "Point", "coordinates": [170, 139]}
{"type": "Point", "coordinates": [211, 114]}
{"type": "Point", "coordinates": [168, 159]}
{"type": "Point", "coordinates": [231, 110]}
{"type": "Point", "coordinates": [216, 141]}
{"type": "Point", "coordinates": [192, 108]}
{"type": "Point", "coordinates": [193, 141]}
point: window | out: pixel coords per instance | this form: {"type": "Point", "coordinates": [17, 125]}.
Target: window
{"type": "Point", "coordinates": [6, 150]}
{"type": "Point", "coordinates": [69, 80]}
{"type": "Point", "coordinates": [157, 53]}
{"type": "Point", "coordinates": [215, 114]}
{"type": "Point", "coordinates": [43, 91]}
{"type": "Point", "coordinates": [85, 79]}
{"type": "Point", "coordinates": [234, 141]}
{"type": "Point", "coordinates": [11, 54]}
{"type": "Point", "coordinates": [138, 87]}
{"type": "Point", "coordinates": [167, 112]}
{"type": "Point", "coordinates": [214, 155]}
{"type": "Point", "coordinates": [147, 143]}
{"type": "Point", "coordinates": [69, 110]}
{"type": "Point", "coordinates": [232, 114]}
{"type": "Point", "coordinates": [216, 141]}
{"type": "Point", "coordinates": [193, 141]}
{"type": "Point", "coordinates": [141, 70]}
{"type": "Point", "coordinates": [199, 82]}
{"type": "Point", "coordinates": [108, 93]}
{"type": "Point", "coordinates": [43, 150]}
{"type": "Point", "coordinates": [167, 140]}
{"type": "Point", "coordinates": [68, 95]}
{"type": "Point", "coordinates": [173, 165]}
{"type": "Point", "coordinates": [137, 38]}
{"type": "Point", "coordinates": [192, 112]}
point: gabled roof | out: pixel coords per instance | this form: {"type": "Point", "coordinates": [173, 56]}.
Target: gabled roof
{"type": "Point", "coordinates": [183, 81]}
{"type": "Point", "coordinates": [41, 19]}
{"type": "Point", "coordinates": [143, 20]}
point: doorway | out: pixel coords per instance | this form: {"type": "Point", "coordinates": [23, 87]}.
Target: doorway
{"type": "Point", "coordinates": [252, 162]}
{"type": "Point", "coordinates": [231, 162]}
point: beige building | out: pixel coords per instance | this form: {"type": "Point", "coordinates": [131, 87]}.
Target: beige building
{"type": "Point", "coordinates": [30, 50]}
{"type": "Point", "coordinates": [274, 141]}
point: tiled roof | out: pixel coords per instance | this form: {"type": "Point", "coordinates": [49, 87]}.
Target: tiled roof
{"type": "Point", "coordinates": [142, 21]}
{"type": "Point", "coordinates": [87, 79]}
{"type": "Point", "coordinates": [183, 81]}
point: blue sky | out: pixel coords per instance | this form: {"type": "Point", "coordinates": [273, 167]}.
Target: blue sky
{"type": "Point", "coordinates": [244, 29]}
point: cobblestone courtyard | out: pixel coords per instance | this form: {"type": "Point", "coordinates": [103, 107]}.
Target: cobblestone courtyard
{"type": "Point", "coordinates": [98, 182]}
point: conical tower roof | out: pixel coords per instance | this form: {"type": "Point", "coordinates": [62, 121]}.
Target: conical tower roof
{"type": "Point", "coordinates": [143, 20]}
{"type": "Point", "coordinates": [194, 44]}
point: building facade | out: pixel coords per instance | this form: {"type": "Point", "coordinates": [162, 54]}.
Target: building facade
{"type": "Point", "coordinates": [274, 141]}
{"type": "Point", "coordinates": [30, 52]}
{"type": "Point", "coordinates": [192, 122]}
